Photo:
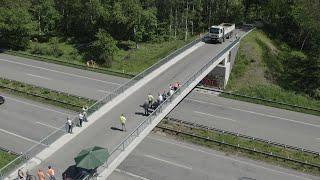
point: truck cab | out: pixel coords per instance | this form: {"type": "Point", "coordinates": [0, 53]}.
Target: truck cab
{"type": "Point", "coordinates": [220, 32]}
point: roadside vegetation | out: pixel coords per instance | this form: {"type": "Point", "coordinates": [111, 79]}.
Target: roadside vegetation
{"type": "Point", "coordinates": [245, 143]}
{"type": "Point", "coordinates": [56, 98]}
{"type": "Point", "coordinates": [261, 70]}
{"type": "Point", "coordinates": [6, 158]}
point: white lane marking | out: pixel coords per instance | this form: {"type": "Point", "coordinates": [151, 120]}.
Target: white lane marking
{"type": "Point", "coordinates": [169, 162]}
{"type": "Point", "coordinates": [47, 125]}
{"type": "Point", "coordinates": [225, 157]}
{"type": "Point", "coordinates": [41, 77]}
{"type": "Point", "coordinates": [19, 136]}
{"type": "Point", "coordinates": [69, 74]}
{"type": "Point", "coordinates": [104, 91]}
{"type": "Point", "coordinates": [131, 174]}
{"type": "Point", "coordinates": [219, 117]}
{"type": "Point", "coordinates": [261, 114]}
{"type": "Point", "coordinates": [40, 107]}
{"type": "Point", "coordinates": [318, 139]}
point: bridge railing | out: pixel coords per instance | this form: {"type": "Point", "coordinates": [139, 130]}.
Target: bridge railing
{"type": "Point", "coordinates": [46, 141]}
{"type": "Point", "coordinates": [145, 123]}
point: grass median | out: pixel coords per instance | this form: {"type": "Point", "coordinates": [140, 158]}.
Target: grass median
{"type": "Point", "coordinates": [40, 94]}
{"type": "Point", "coordinates": [250, 144]}
{"type": "Point", "coordinates": [5, 158]}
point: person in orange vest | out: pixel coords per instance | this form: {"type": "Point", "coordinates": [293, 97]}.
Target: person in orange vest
{"type": "Point", "coordinates": [41, 175]}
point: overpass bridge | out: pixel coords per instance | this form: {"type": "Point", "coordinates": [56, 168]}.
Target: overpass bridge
{"type": "Point", "coordinates": [188, 65]}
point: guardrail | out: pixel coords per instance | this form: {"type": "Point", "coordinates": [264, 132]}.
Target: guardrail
{"type": "Point", "coordinates": [136, 132]}
{"type": "Point", "coordinates": [203, 127]}
{"type": "Point", "coordinates": [62, 130]}
{"type": "Point", "coordinates": [240, 147]}
{"type": "Point", "coordinates": [66, 63]}
{"type": "Point", "coordinates": [257, 98]}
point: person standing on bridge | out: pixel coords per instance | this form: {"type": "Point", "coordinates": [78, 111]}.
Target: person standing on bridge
{"type": "Point", "coordinates": [150, 99]}
{"type": "Point", "coordinates": [81, 116]}
{"type": "Point", "coordinates": [84, 110]}
{"type": "Point", "coordinates": [123, 122]}
{"type": "Point", "coordinates": [69, 123]}
{"type": "Point", "coordinates": [41, 175]}
{"type": "Point", "coordinates": [146, 107]}
{"type": "Point", "coordinates": [50, 173]}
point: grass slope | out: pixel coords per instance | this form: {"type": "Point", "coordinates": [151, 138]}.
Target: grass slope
{"type": "Point", "coordinates": [255, 70]}
{"type": "Point", "coordinates": [6, 158]}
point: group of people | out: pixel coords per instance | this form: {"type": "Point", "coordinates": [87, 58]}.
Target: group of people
{"type": "Point", "coordinates": [150, 101]}
{"type": "Point", "coordinates": [40, 174]}
{"type": "Point", "coordinates": [82, 117]}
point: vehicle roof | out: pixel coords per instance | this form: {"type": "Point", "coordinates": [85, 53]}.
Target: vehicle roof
{"type": "Point", "coordinates": [215, 27]}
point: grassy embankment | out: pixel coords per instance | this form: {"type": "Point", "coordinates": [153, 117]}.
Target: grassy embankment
{"type": "Point", "coordinates": [253, 75]}
{"type": "Point", "coordinates": [6, 158]}
{"type": "Point", "coordinates": [127, 60]}
{"type": "Point", "coordinates": [245, 143]}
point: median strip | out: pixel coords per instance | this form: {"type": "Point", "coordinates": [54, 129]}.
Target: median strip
{"type": "Point", "coordinates": [56, 98]}
{"type": "Point", "coordinates": [234, 144]}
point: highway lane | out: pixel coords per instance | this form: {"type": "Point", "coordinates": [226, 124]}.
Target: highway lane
{"type": "Point", "coordinates": [162, 158]}
{"type": "Point", "coordinates": [23, 123]}
{"type": "Point", "coordinates": [65, 79]}
{"type": "Point", "coordinates": [288, 127]}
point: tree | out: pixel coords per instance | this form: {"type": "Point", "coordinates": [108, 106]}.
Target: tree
{"type": "Point", "coordinates": [46, 15]}
{"type": "Point", "coordinates": [104, 48]}
{"type": "Point", "coordinates": [16, 25]}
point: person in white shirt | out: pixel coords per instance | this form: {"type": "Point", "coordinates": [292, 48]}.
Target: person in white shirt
{"type": "Point", "coordinates": [69, 123]}
{"type": "Point", "coordinates": [160, 98]}
{"type": "Point", "coordinates": [80, 119]}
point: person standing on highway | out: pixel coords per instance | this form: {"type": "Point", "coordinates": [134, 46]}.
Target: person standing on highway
{"type": "Point", "coordinates": [41, 175]}
{"type": "Point", "coordinates": [80, 119]}
{"type": "Point", "coordinates": [123, 122]}
{"type": "Point", "coordinates": [150, 99]}
{"type": "Point", "coordinates": [69, 123]}
{"type": "Point", "coordinates": [50, 173]}
{"type": "Point", "coordinates": [20, 174]}
{"type": "Point", "coordinates": [146, 108]}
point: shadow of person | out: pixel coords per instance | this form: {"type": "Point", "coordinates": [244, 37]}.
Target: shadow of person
{"type": "Point", "coordinates": [116, 129]}
{"type": "Point", "coordinates": [140, 113]}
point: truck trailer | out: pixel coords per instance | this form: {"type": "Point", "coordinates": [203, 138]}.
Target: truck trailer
{"type": "Point", "coordinates": [221, 32]}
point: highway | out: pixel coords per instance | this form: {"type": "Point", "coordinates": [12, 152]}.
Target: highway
{"type": "Point", "coordinates": [23, 123]}
{"type": "Point", "coordinates": [161, 158]}
{"type": "Point", "coordinates": [278, 125]}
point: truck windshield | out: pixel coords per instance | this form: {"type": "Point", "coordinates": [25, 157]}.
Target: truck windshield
{"type": "Point", "coordinates": [214, 30]}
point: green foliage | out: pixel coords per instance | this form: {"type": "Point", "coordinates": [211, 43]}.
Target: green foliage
{"type": "Point", "coordinates": [104, 48]}
{"type": "Point", "coordinates": [16, 25]}
{"type": "Point", "coordinates": [6, 158]}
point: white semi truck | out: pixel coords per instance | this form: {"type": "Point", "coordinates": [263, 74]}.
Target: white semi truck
{"type": "Point", "coordinates": [221, 32]}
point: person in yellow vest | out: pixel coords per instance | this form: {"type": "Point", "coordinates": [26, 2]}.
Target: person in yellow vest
{"type": "Point", "coordinates": [150, 99]}
{"type": "Point", "coordinates": [123, 122]}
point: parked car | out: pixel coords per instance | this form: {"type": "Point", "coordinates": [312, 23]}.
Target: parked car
{"type": "Point", "coordinates": [2, 100]}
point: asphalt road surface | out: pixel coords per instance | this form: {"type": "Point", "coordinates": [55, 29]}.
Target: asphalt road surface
{"type": "Point", "coordinates": [161, 158]}
{"type": "Point", "coordinates": [23, 123]}
{"type": "Point", "coordinates": [282, 126]}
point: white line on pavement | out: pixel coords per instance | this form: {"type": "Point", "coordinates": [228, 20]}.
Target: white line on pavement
{"type": "Point", "coordinates": [19, 136]}
{"type": "Point", "coordinates": [131, 174]}
{"type": "Point", "coordinates": [47, 125]}
{"type": "Point", "coordinates": [104, 91]}
{"type": "Point", "coordinates": [169, 162]}
{"type": "Point", "coordinates": [219, 117]}
{"type": "Point", "coordinates": [69, 74]}
{"type": "Point", "coordinates": [261, 114]}
{"type": "Point", "coordinates": [41, 77]}
{"type": "Point", "coordinates": [183, 145]}
{"type": "Point", "coordinates": [40, 107]}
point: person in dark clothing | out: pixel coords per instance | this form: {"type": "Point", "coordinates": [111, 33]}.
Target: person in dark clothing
{"type": "Point", "coordinates": [146, 107]}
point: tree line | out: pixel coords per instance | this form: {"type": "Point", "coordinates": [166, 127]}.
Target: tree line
{"type": "Point", "coordinates": [99, 25]}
